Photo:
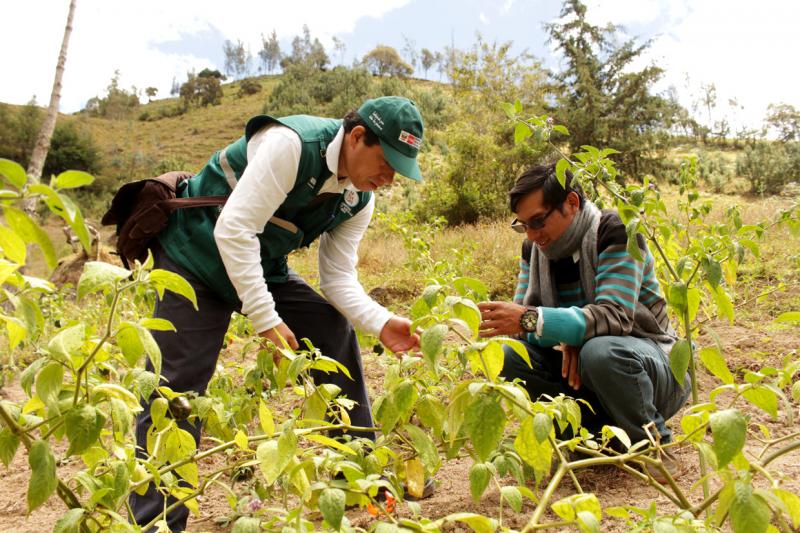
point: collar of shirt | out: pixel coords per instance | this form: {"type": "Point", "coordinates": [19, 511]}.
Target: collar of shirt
{"type": "Point", "coordinates": [334, 184]}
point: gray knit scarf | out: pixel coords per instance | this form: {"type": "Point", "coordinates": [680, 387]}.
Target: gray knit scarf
{"type": "Point", "coordinates": [581, 234]}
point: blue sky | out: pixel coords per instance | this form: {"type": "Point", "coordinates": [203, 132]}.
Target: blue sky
{"type": "Point", "coordinates": [743, 47]}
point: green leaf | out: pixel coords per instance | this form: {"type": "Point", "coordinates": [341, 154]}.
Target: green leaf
{"type": "Point", "coordinates": [513, 496]}
{"type": "Point", "coordinates": [537, 454]}
{"type": "Point", "coordinates": [331, 505]}
{"type": "Point", "coordinates": [518, 348]}
{"type": "Point", "coordinates": [542, 426]}
{"type": "Point", "coordinates": [632, 246]}
{"type": "Point", "coordinates": [128, 341]}
{"type": "Point", "coordinates": [792, 317]}
{"type": "Point", "coordinates": [43, 474]}
{"type": "Point", "coordinates": [679, 358]}
{"type": "Point", "coordinates": [467, 287]}
{"type": "Point", "coordinates": [478, 523]}
{"type": "Point", "coordinates": [712, 359]}
{"type": "Point", "coordinates": [164, 279]}
{"type": "Point", "coordinates": [561, 129]}
{"type": "Point", "coordinates": [792, 503]}
{"type": "Point", "coordinates": [764, 398]}
{"type": "Point", "coordinates": [749, 513]}
{"type": "Point", "coordinates": [509, 110]}
{"type": "Point", "coordinates": [70, 522]}
{"type": "Point", "coordinates": [485, 421]}
{"type": "Point", "coordinates": [246, 524]}
{"type": "Point", "coordinates": [678, 297]}
{"type": "Point", "coordinates": [157, 324]}
{"type": "Point", "coordinates": [150, 347]}
{"type": "Point", "coordinates": [425, 448]}
{"type": "Point", "coordinates": [493, 357]}
{"type": "Point", "coordinates": [468, 311]}
{"type": "Point", "coordinates": [97, 276]}
{"type": "Point", "coordinates": [724, 304]}
{"type": "Point", "coordinates": [66, 342]}
{"type": "Point", "coordinates": [561, 171]}
{"type": "Point", "coordinates": [12, 245]}
{"type": "Point", "coordinates": [83, 425]}
{"type": "Point", "coordinates": [31, 232]}
{"type": "Point", "coordinates": [713, 272]}
{"type": "Point", "coordinates": [6, 270]}
{"type": "Point", "coordinates": [8, 446]}
{"type": "Point", "coordinates": [76, 222]}
{"type": "Point", "coordinates": [13, 172]}
{"type": "Point", "coordinates": [619, 433]}
{"type": "Point", "coordinates": [48, 383]}
{"type": "Point", "coordinates": [72, 178]}
{"type": "Point", "coordinates": [521, 132]}
{"type": "Point", "coordinates": [729, 429]}
{"type": "Point", "coordinates": [431, 342]}
{"type": "Point", "coordinates": [479, 477]}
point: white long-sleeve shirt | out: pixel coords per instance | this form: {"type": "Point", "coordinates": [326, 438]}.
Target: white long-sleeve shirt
{"type": "Point", "coordinates": [273, 156]}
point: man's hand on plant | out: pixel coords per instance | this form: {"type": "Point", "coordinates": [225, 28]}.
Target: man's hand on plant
{"type": "Point", "coordinates": [396, 335]}
{"type": "Point", "coordinates": [500, 318]}
{"type": "Point", "coordinates": [275, 334]}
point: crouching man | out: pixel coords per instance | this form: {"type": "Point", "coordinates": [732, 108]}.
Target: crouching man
{"type": "Point", "coordinates": [593, 318]}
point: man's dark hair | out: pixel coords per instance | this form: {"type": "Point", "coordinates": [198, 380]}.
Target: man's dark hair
{"type": "Point", "coordinates": [543, 177]}
{"type": "Point", "coordinates": [353, 119]}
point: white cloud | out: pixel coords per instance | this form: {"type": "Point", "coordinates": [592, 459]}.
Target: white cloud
{"type": "Point", "coordinates": [622, 12]}
{"type": "Point", "coordinates": [483, 18]}
{"type": "Point", "coordinates": [745, 48]}
{"type": "Point", "coordinates": [119, 34]}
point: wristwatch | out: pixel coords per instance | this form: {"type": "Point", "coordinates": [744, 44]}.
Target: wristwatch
{"type": "Point", "coordinates": [529, 319]}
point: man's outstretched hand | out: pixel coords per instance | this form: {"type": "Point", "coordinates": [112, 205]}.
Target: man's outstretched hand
{"type": "Point", "coordinates": [397, 336]}
{"type": "Point", "coordinates": [500, 318]}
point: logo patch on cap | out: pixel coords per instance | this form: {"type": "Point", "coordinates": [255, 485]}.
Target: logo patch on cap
{"type": "Point", "coordinates": [410, 139]}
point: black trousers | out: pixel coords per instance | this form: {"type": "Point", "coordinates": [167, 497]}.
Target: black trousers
{"type": "Point", "coordinates": [189, 357]}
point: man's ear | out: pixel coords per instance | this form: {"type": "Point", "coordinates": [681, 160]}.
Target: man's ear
{"type": "Point", "coordinates": [574, 200]}
{"type": "Point", "coordinates": [355, 134]}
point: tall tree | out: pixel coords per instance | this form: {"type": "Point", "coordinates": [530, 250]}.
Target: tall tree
{"type": "Point", "coordinates": [270, 52]}
{"type": "Point", "coordinates": [304, 50]}
{"type": "Point", "coordinates": [784, 120]}
{"type": "Point", "coordinates": [600, 98]}
{"type": "Point", "coordinates": [385, 61]}
{"type": "Point", "coordinates": [339, 46]}
{"type": "Point", "coordinates": [410, 51]}
{"type": "Point", "coordinates": [46, 133]}
{"type": "Point", "coordinates": [427, 60]}
{"type": "Point", "coordinates": [237, 59]}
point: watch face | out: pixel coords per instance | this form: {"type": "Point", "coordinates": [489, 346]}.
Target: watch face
{"type": "Point", "coordinates": [528, 321]}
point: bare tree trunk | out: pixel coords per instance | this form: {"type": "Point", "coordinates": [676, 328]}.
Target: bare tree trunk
{"type": "Point", "coordinates": [46, 133]}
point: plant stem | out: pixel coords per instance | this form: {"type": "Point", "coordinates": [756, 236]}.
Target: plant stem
{"type": "Point", "coordinates": [548, 493]}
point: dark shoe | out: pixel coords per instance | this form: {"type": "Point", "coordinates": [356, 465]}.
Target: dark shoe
{"type": "Point", "coordinates": [671, 463]}
{"type": "Point", "coordinates": [427, 491]}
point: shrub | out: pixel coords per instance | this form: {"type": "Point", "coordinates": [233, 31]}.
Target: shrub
{"type": "Point", "coordinates": [248, 86]}
{"type": "Point", "coordinates": [769, 166]}
{"type": "Point", "coordinates": [70, 149]}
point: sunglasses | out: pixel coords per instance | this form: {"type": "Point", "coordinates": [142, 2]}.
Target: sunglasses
{"type": "Point", "coordinates": [535, 223]}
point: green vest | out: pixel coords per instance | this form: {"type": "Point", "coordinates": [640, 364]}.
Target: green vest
{"type": "Point", "coordinates": [301, 218]}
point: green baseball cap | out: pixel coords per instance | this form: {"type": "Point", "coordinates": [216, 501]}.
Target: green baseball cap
{"type": "Point", "coordinates": [397, 123]}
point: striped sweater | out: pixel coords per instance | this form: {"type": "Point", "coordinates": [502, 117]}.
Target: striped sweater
{"type": "Point", "coordinates": [628, 297]}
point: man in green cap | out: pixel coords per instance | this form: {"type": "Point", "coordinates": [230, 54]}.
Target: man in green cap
{"type": "Point", "coordinates": [289, 181]}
